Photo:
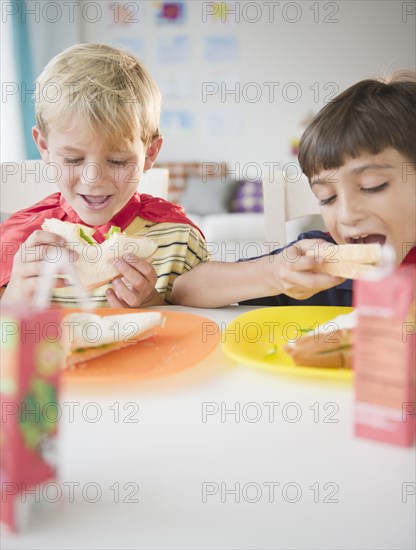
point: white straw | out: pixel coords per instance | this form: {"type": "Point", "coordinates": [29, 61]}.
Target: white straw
{"type": "Point", "coordinates": [46, 278]}
{"type": "Point", "coordinates": [385, 266]}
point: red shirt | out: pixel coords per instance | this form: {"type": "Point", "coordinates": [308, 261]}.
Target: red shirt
{"type": "Point", "coordinates": [410, 258]}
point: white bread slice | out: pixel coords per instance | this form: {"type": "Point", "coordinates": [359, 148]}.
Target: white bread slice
{"type": "Point", "coordinates": [94, 264]}
{"type": "Point", "coordinates": [120, 244]}
{"type": "Point", "coordinates": [87, 336]}
{"type": "Point", "coordinates": [69, 231]}
{"type": "Point", "coordinates": [349, 261]}
{"type": "Point", "coordinates": [346, 270]}
{"type": "Point", "coordinates": [362, 253]}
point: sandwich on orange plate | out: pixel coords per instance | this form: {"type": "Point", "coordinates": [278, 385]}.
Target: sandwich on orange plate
{"type": "Point", "coordinates": [87, 336]}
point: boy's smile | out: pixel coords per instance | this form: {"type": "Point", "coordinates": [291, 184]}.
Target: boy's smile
{"type": "Point", "coordinates": [96, 182]}
{"type": "Point", "coordinates": [96, 202]}
{"type": "Point", "coordinates": [370, 198]}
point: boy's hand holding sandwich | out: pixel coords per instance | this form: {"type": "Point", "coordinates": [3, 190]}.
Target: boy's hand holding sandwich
{"type": "Point", "coordinates": [27, 264]}
{"type": "Point", "coordinates": [313, 265]}
{"type": "Point", "coordinates": [121, 259]}
{"type": "Point", "coordinates": [136, 287]}
{"type": "Point", "coordinates": [297, 272]}
{"type": "Point", "coordinates": [291, 273]}
{"type": "Point", "coordinates": [300, 271]}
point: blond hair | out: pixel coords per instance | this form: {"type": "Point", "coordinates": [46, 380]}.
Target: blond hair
{"type": "Point", "coordinates": [106, 87]}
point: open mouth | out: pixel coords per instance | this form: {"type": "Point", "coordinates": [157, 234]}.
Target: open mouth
{"type": "Point", "coordinates": [96, 202]}
{"type": "Point", "coordinates": [367, 239]}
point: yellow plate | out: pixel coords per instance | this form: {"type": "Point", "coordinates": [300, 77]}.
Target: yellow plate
{"type": "Point", "coordinates": [256, 338]}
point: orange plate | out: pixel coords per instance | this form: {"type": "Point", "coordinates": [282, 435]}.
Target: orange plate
{"type": "Point", "coordinates": [177, 346]}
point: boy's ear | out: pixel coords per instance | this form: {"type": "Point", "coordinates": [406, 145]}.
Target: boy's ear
{"type": "Point", "coordinates": [152, 152]}
{"type": "Point", "coordinates": [41, 143]}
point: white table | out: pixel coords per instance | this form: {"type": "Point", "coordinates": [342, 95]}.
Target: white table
{"type": "Point", "coordinates": [247, 480]}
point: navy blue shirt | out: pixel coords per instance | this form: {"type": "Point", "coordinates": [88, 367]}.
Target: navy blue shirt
{"type": "Point", "coordinates": [340, 295]}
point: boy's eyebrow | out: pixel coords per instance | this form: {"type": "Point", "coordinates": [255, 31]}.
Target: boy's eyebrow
{"type": "Point", "coordinates": [358, 170]}
{"type": "Point", "coordinates": [317, 181]}
{"type": "Point", "coordinates": [69, 149]}
{"type": "Point", "coordinates": [373, 166]}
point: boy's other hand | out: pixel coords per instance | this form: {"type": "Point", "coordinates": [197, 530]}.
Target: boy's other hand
{"type": "Point", "coordinates": [136, 287]}
{"type": "Point", "coordinates": [39, 247]}
{"type": "Point", "coordinates": [293, 273]}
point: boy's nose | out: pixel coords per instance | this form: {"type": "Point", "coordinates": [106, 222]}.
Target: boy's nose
{"type": "Point", "coordinates": [92, 173]}
{"type": "Point", "coordinates": [350, 210]}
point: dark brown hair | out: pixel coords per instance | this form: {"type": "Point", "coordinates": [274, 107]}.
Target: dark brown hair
{"type": "Point", "coordinates": [367, 117]}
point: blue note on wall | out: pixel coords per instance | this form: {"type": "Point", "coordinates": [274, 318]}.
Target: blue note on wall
{"type": "Point", "coordinates": [221, 48]}
{"type": "Point", "coordinates": [173, 49]}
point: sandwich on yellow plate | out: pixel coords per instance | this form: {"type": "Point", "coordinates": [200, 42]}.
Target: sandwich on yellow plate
{"type": "Point", "coordinates": [329, 345]}
{"type": "Point", "coordinates": [88, 335]}
{"type": "Point", "coordinates": [95, 262]}
{"type": "Point", "coordinates": [350, 261]}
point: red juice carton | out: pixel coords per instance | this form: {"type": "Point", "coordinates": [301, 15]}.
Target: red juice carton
{"type": "Point", "coordinates": [31, 362]}
{"type": "Point", "coordinates": [384, 357]}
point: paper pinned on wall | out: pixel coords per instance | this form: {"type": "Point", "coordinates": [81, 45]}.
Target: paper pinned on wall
{"type": "Point", "coordinates": [223, 122]}
{"type": "Point", "coordinates": [168, 13]}
{"type": "Point", "coordinates": [176, 123]}
{"type": "Point", "coordinates": [222, 75]}
{"type": "Point", "coordinates": [175, 82]}
{"type": "Point", "coordinates": [173, 49]}
{"type": "Point", "coordinates": [133, 45]}
{"type": "Point", "coordinates": [221, 48]}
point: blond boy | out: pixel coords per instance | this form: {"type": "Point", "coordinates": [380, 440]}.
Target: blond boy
{"type": "Point", "coordinates": [97, 121]}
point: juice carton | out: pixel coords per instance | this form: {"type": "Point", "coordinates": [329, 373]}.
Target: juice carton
{"type": "Point", "coordinates": [384, 357]}
{"type": "Point", "coordinates": [31, 361]}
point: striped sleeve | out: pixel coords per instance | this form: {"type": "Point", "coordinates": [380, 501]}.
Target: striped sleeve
{"type": "Point", "coordinates": [181, 247]}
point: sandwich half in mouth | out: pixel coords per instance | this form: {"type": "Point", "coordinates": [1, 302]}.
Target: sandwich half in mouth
{"type": "Point", "coordinates": [350, 260]}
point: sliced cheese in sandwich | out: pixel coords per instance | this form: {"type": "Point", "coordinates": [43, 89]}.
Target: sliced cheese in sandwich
{"type": "Point", "coordinates": [88, 335]}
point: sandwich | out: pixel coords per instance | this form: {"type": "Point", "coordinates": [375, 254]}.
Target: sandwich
{"type": "Point", "coordinates": [350, 261]}
{"type": "Point", "coordinates": [94, 264]}
{"type": "Point", "coordinates": [87, 335]}
{"type": "Point", "coordinates": [329, 345]}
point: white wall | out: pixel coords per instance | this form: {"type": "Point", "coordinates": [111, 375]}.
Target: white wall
{"type": "Point", "coordinates": [369, 38]}
{"type": "Point", "coordinates": [50, 32]}
{"type": "Point", "coordinates": [11, 132]}
{"type": "Point", "coordinates": [324, 45]}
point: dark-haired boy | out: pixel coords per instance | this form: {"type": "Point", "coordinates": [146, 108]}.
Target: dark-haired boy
{"type": "Point", "coordinates": [359, 155]}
